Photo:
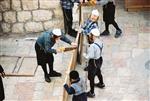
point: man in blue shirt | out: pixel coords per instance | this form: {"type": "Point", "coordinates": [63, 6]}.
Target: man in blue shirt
{"type": "Point", "coordinates": [67, 6]}
{"type": "Point", "coordinates": [44, 51]}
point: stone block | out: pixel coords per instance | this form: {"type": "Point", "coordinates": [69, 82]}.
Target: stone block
{"type": "Point", "coordinates": [58, 13]}
{"type": "Point", "coordinates": [6, 27]}
{"type": "Point", "coordinates": [4, 5]}
{"type": "Point", "coordinates": [24, 16]}
{"type": "Point", "coordinates": [18, 28]}
{"type": "Point", "coordinates": [42, 15]}
{"type": "Point", "coordinates": [33, 27]}
{"type": "Point", "coordinates": [10, 17]}
{"type": "Point", "coordinates": [53, 24]}
{"type": "Point", "coordinates": [46, 4]}
{"type": "Point", "coordinates": [30, 4]}
{"type": "Point", "coordinates": [16, 5]}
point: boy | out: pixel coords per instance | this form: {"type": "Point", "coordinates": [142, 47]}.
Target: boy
{"type": "Point", "coordinates": [77, 87]}
{"type": "Point", "coordinates": [90, 23]}
{"type": "Point", "coordinates": [95, 61]}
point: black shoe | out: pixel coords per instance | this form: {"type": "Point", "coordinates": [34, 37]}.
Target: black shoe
{"type": "Point", "coordinates": [73, 33]}
{"type": "Point", "coordinates": [47, 78]}
{"type": "Point", "coordinates": [86, 69]}
{"type": "Point", "coordinates": [105, 33]}
{"type": "Point", "coordinates": [118, 33]}
{"type": "Point", "coordinates": [100, 85]}
{"type": "Point", "coordinates": [89, 94]}
{"type": "Point", "coordinates": [54, 74]}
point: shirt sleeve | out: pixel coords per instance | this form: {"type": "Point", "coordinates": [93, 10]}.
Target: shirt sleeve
{"type": "Point", "coordinates": [48, 46]}
{"type": "Point", "coordinates": [65, 39]}
{"type": "Point", "coordinates": [70, 90]}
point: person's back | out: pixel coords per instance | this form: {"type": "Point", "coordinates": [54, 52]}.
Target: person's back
{"type": "Point", "coordinates": [77, 87]}
{"type": "Point", "coordinates": [109, 12]}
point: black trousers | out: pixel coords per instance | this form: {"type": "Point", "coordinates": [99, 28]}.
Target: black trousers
{"type": "Point", "coordinates": [44, 58]}
{"type": "Point", "coordinates": [2, 95]}
{"type": "Point", "coordinates": [68, 20]}
{"type": "Point", "coordinates": [81, 97]}
{"type": "Point", "coordinates": [113, 23]}
{"type": "Point", "coordinates": [95, 71]}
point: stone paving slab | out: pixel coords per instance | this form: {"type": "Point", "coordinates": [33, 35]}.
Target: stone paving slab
{"type": "Point", "coordinates": [32, 88]}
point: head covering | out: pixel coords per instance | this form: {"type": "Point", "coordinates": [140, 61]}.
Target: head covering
{"type": "Point", "coordinates": [74, 75]}
{"type": "Point", "coordinates": [95, 12]}
{"type": "Point", "coordinates": [95, 32]}
{"type": "Point", "coordinates": [57, 32]}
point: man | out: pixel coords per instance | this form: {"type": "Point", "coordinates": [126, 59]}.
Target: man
{"type": "Point", "coordinates": [67, 6]}
{"type": "Point", "coordinates": [2, 74]}
{"type": "Point", "coordinates": [109, 17]}
{"type": "Point", "coordinates": [44, 51]}
{"type": "Point", "coordinates": [95, 61]}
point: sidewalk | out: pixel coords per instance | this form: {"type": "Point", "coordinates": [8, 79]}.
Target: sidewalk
{"type": "Point", "coordinates": [126, 65]}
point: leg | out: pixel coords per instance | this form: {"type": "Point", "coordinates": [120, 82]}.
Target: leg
{"type": "Point", "coordinates": [52, 73]}
{"type": "Point", "coordinates": [99, 74]}
{"type": "Point", "coordinates": [47, 79]}
{"type": "Point", "coordinates": [106, 32]}
{"type": "Point", "coordinates": [65, 19]}
{"type": "Point", "coordinates": [115, 25]}
{"type": "Point", "coordinates": [69, 22]}
{"type": "Point", "coordinates": [118, 30]}
{"type": "Point", "coordinates": [100, 77]}
{"type": "Point", "coordinates": [91, 79]}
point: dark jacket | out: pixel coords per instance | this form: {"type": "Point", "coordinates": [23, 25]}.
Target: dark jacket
{"type": "Point", "coordinates": [2, 96]}
{"type": "Point", "coordinates": [109, 12]}
{"type": "Point", "coordinates": [46, 41]}
{"type": "Point", "coordinates": [43, 47]}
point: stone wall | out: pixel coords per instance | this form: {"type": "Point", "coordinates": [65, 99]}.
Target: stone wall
{"type": "Point", "coordinates": [29, 16]}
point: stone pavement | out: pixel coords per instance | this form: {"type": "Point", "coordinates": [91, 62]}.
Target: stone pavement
{"type": "Point", "coordinates": [126, 66]}
{"type": "Point", "coordinates": [34, 87]}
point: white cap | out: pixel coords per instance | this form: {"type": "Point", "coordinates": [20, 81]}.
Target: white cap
{"type": "Point", "coordinates": [57, 32]}
{"type": "Point", "coordinates": [95, 12]}
{"type": "Point", "coordinates": [95, 32]}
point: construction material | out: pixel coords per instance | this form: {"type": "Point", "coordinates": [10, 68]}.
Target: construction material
{"type": "Point", "coordinates": [89, 3]}
{"type": "Point", "coordinates": [65, 49]}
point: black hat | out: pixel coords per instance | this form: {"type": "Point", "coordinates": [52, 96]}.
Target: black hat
{"type": "Point", "coordinates": [74, 75]}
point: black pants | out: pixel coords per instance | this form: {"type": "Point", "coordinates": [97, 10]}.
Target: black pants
{"type": "Point", "coordinates": [44, 58]}
{"type": "Point", "coordinates": [81, 97]}
{"type": "Point", "coordinates": [2, 96]}
{"type": "Point", "coordinates": [95, 71]}
{"type": "Point", "coordinates": [68, 20]}
{"type": "Point", "coordinates": [113, 23]}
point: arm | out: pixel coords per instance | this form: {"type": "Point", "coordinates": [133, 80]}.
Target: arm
{"type": "Point", "coordinates": [48, 45]}
{"type": "Point", "coordinates": [65, 39]}
{"type": "Point", "coordinates": [69, 90]}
